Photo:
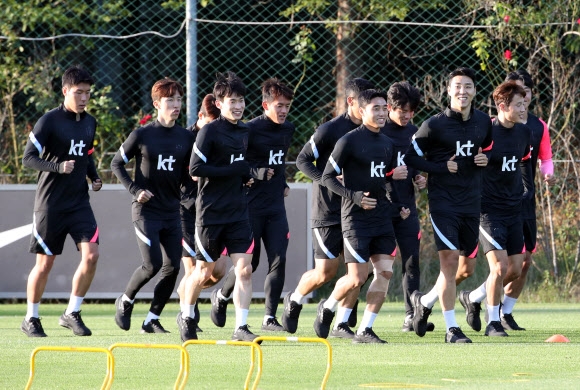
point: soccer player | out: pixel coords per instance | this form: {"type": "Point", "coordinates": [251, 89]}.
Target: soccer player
{"type": "Point", "coordinates": [60, 147]}
{"type": "Point", "coordinates": [326, 230]}
{"type": "Point", "coordinates": [207, 113]}
{"type": "Point", "coordinates": [449, 147]}
{"type": "Point", "coordinates": [402, 101]}
{"type": "Point", "coordinates": [218, 160]}
{"type": "Point", "coordinates": [161, 150]}
{"type": "Point", "coordinates": [269, 139]}
{"type": "Point", "coordinates": [500, 227]}
{"type": "Point", "coordinates": [364, 158]}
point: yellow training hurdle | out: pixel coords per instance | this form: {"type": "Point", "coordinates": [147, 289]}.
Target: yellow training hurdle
{"type": "Point", "coordinates": [254, 347]}
{"type": "Point", "coordinates": [110, 373]}
{"type": "Point", "coordinates": [259, 339]}
{"type": "Point", "coordinates": [183, 373]}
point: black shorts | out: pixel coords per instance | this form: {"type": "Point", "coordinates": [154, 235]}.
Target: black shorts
{"type": "Point", "coordinates": [211, 240]}
{"type": "Point", "coordinates": [456, 232]}
{"type": "Point", "coordinates": [49, 230]}
{"type": "Point", "coordinates": [530, 233]}
{"type": "Point", "coordinates": [359, 248]}
{"type": "Point", "coordinates": [501, 234]}
{"type": "Point", "coordinates": [188, 231]}
{"type": "Point", "coordinates": [327, 242]}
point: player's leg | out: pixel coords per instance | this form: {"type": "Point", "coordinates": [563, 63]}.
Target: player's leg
{"type": "Point", "coordinates": [275, 237]}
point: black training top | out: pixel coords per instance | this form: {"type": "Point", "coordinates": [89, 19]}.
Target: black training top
{"type": "Point", "coordinates": [218, 160]}
{"type": "Point", "coordinates": [536, 128]}
{"type": "Point", "coordinates": [405, 190]}
{"type": "Point", "coordinates": [502, 184]}
{"type": "Point", "coordinates": [441, 137]}
{"type": "Point", "coordinates": [58, 137]}
{"type": "Point", "coordinates": [268, 144]}
{"type": "Point", "coordinates": [189, 187]}
{"type": "Point", "coordinates": [161, 158]}
{"type": "Point", "coordinates": [312, 161]}
{"type": "Point", "coordinates": [364, 159]}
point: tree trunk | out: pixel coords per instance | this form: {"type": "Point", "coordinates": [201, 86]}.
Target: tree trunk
{"type": "Point", "coordinates": [342, 71]}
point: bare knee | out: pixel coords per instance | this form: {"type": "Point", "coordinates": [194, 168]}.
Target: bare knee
{"type": "Point", "coordinates": [44, 264]}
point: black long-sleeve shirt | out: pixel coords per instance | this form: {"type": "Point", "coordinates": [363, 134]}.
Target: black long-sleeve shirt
{"type": "Point", "coordinates": [401, 137]}
{"type": "Point", "coordinates": [438, 139]}
{"type": "Point", "coordinates": [189, 187]}
{"type": "Point", "coordinates": [268, 144]}
{"type": "Point", "coordinates": [58, 137]}
{"type": "Point", "coordinates": [502, 185]}
{"type": "Point", "coordinates": [218, 160]}
{"type": "Point", "coordinates": [312, 161]}
{"type": "Point", "coordinates": [538, 131]}
{"type": "Point", "coordinates": [364, 159]}
{"type": "Point", "coordinates": [161, 158]}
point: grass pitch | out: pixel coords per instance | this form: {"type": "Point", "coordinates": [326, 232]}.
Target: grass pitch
{"type": "Point", "coordinates": [521, 361]}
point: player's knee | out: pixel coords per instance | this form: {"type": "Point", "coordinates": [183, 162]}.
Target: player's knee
{"type": "Point", "coordinates": [244, 272]}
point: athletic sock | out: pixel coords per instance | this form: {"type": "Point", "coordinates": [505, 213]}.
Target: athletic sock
{"type": "Point", "coordinates": [241, 317]}
{"type": "Point", "coordinates": [125, 298]}
{"type": "Point", "coordinates": [266, 318]}
{"type": "Point", "coordinates": [367, 321]}
{"type": "Point", "coordinates": [74, 304]}
{"type": "Point", "coordinates": [32, 310]}
{"type": "Point", "coordinates": [188, 311]}
{"type": "Point", "coordinates": [297, 297]}
{"type": "Point", "coordinates": [220, 296]}
{"type": "Point", "coordinates": [150, 316]}
{"type": "Point", "coordinates": [508, 304]}
{"type": "Point", "coordinates": [450, 321]}
{"type": "Point", "coordinates": [493, 313]}
{"type": "Point", "coordinates": [330, 304]}
{"type": "Point", "coordinates": [342, 314]}
{"type": "Point", "coordinates": [429, 299]}
{"type": "Point", "coordinates": [478, 294]}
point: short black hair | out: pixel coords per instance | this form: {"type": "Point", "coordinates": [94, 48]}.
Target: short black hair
{"type": "Point", "coordinates": [463, 71]}
{"type": "Point", "coordinates": [76, 75]}
{"type": "Point", "coordinates": [402, 93]}
{"type": "Point", "coordinates": [355, 86]}
{"type": "Point", "coordinates": [523, 76]}
{"type": "Point", "coordinates": [506, 91]}
{"type": "Point", "coordinates": [228, 84]}
{"type": "Point", "coordinates": [272, 88]}
{"type": "Point", "coordinates": [367, 95]}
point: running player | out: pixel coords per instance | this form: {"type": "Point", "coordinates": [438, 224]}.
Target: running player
{"type": "Point", "coordinates": [326, 230]}
{"type": "Point", "coordinates": [60, 147]}
{"type": "Point", "coordinates": [500, 227]}
{"type": "Point", "coordinates": [269, 139]}
{"type": "Point", "coordinates": [364, 158]}
{"type": "Point", "coordinates": [161, 150]}
{"type": "Point", "coordinates": [449, 147]}
{"type": "Point", "coordinates": [402, 101]}
{"type": "Point", "coordinates": [218, 160]}
{"type": "Point", "coordinates": [206, 114]}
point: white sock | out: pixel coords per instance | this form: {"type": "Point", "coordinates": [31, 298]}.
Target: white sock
{"type": "Point", "coordinates": [367, 321]}
{"type": "Point", "coordinates": [478, 294]}
{"type": "Point", "coordinates": [265, 320]}
{"type": "Point", "coordinates": [188, 311]}
{"type": "Point", "coordinates": [220, 296]}
{"type": "Point", "coordinates": [493, 313]}
{"type": "Point", "coordinates": [241, 317]}
{"type": "Point", "coordinates": [330, 304]}
{"type": "Point", "coordinates": [450, 321]}
{"type": "Point", "coordinates": [342, 314]}
{"type": "Point", "coordinates": [74, 304]}
{"type": "Point", "coordinates": [150, 316]}
{"type": "Point", "coordinates": [297, 297]}
{"type": "Point", "coordinates": [31, 310]}
{"type": "Point", "coordinates": [126, 299]}
{"type": "Point", "coordinates": [508, 304]}
{"type": "Point", "coordinates": [429, 299]}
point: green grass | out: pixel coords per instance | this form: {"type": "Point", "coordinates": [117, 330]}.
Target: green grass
{"type": "Point", "coordinates": [522, 361]}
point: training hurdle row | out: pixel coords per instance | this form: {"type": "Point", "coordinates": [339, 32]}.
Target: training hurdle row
{"type": "Point", "coordinates": [183, 374]}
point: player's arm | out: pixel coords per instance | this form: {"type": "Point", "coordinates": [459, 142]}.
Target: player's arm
{"type": "Point", "coordinates": [37, 140]}
{"type": "Point", "coordinates": [484, 151]}
{"type": "Point", "coordinates": [126, 152]}
{"type": "Point", "coordinates": [334, 168]}
{"type": "Point", "coordinates": [420, 146]}
{"type": "Point", "coordinates": [92, 173]}
{"type": "Point", "coordinates": [545, 157]}
{"type": "Point", "coordinates": [308, 155]}
{"type": "Point", "coordinates": [199, 166]}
